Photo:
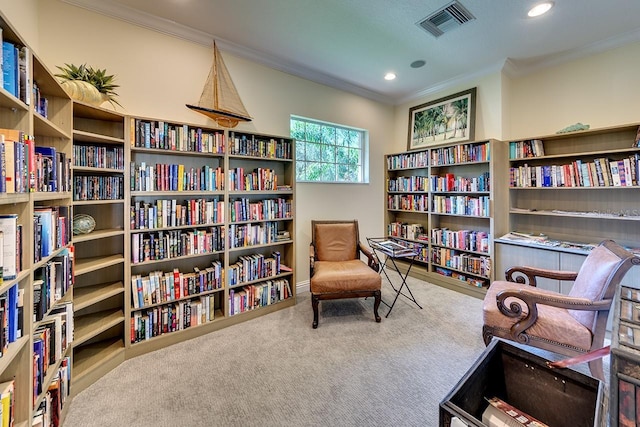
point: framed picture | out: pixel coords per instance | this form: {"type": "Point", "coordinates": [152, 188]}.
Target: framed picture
{"type": "Point", "coordinates": [449, 119]}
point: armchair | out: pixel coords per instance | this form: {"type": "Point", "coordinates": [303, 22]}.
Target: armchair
{"type": "Point", "coordinates": [570, 324]}
{"type": "Point", "coordinates": [336, 269]}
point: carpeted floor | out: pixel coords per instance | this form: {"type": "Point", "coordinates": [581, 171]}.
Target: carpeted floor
{"type": "Point", "coordinates": [277, 371]}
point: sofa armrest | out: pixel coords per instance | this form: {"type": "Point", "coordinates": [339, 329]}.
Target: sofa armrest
{"type": "Point", "coordinates": [528, 275]}
{"type": "Point", "coordinates": [312, 258]}
{"type": "Point", "coordinates": [372, 261]}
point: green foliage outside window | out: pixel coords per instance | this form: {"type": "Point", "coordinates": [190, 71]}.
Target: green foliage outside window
{"type": "Point", "coordinates": [327, 152]}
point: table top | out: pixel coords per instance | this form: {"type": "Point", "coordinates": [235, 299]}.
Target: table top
{"type": "Point", "coordinates": [395, 248]}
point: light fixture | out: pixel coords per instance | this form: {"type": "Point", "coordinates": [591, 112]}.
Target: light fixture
{"type": "Point", "coordinates": [540, 9]}
{"type": "Point", "coordinates": [419, 63]}
{"type": "Point", "coordinates": [390, 76]}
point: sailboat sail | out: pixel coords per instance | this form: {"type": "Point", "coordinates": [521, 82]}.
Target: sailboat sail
{"type": "Point", "coordinates": [220, 100]}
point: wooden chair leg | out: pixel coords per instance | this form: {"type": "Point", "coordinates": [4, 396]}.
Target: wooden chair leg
{"type": "Point", "coordinates": [314, 303]}
{"type": "Point", "coordinates": [376, 304]}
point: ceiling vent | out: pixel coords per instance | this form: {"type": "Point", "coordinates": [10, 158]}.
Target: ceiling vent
{"type": "Point", "coordinates": [446, 19]}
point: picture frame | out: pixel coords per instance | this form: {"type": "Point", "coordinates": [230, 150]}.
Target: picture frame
{"type": "Point", "coordinates": [448, 119]}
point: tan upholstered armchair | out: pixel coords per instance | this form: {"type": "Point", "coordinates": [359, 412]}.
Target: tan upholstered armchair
{"type": "Point", "coordinates": [336, 269]}
{"type": "Point", "coordinates": [566, 324]}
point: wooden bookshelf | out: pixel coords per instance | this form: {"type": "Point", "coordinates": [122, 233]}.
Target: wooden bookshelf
{"type": "Point", "coordinates": [435, 194]}
{"type": "Point", "coordinates": [568, 210]}
{"type": "Point", "coordinates": [99, 154]}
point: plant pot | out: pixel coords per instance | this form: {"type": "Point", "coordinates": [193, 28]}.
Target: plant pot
{"type": "Point", "coordinates": [84, 92]}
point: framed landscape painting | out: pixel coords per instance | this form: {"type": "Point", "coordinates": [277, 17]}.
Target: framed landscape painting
{"type": "Point", "coordinates": [449, 119]}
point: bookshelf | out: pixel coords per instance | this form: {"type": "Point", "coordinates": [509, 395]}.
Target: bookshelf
{"type": "Point", "coordinates": [187, 234]}
{"type": "Point", "coordinates": [99, 160]}
{"type": "Point", "coordinates": [563, 198]}
{"type": "Point", "coordinates": [35, 209]}
{"type": "Point", "coordinates": [445, 197]}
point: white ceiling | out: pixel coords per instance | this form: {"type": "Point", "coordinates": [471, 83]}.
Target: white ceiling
{"type": "Point", "coordinates": [351, 44]}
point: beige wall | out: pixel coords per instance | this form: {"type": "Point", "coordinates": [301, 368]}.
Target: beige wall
{"type": "Point", "coordinates": [158, 74]}
{"type": "Point", "coordinates": [23, 16]}
{"type": "Point", "coordinates": [599, 90]}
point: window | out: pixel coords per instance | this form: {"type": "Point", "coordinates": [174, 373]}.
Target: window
{"type": "Point", "coordinates": [326, 152]}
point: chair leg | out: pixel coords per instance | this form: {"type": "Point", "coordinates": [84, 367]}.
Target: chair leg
{"type": "Point", "coordinates": [314, 303]}
{"type": "Point", "coordinates": [376, 304]}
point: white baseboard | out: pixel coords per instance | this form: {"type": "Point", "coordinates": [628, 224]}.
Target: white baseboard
{"type": "Point", "coordinates": [302, 287]}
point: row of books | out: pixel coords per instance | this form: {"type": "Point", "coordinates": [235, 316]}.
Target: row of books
{"type": "Point", "coordinates": [51, 282]}
{"type": "Point", "coordinates": [462, 205]}
{"type": "Point", "coordinates": [174, 213]}
{"type": "Point", "coordinates": [259, 295]}
{"type": "Point", "coordinates": [242, 235]}
{"type": "Point", "coordinates": [51, 338]}
{"type": "Point", "coordinates": [170, 244]}
{"type": "Point", "coordinates": [526, 149]}
{"type": "Point", "coordinates": [10, 246]}
{"type": "Point", "coordinates": [601, 172]}
{"type": "Point", "coordinates": [260, 210]}
{"type": "Point", "coordinates": [418, 159]}
{"type": "Point", "coordinates": [15, 75]}
{"type": "Point", "coordinates": [408, 183]}
{"type": "Point", "coordinates": [408, 202]}
{"type": "Point", "coordinates": [161, 287]}
{"type": "Point", "coordinates": [172, 317]}
{"type": "Point", "coordinates": [11, 316]}
{"type": "Point", "coordinates": [450, 182]}
{"type": "Point", "coordinates": [175, 177]}
{"type": "Point", "coordinates": [465, 262]}
{"type": "Point", "coordinates": [254, 267]}
{"type": "Point", "coordinates": [406, 231]}
{"type": "Point", "coordinates": [467, 240]}
{"type": "Point", "coordinates": [464, 153]}
{"type": "Point", "coordinates": [26, 167]}
{"type": "Point", "coordinates": [49, 412]}
{"type": "Point", "coordinates": [168, 136]}
{"type": "Point", "coordinates": [473, 281]}
{"type": "Point", "coordinates": [96, 156]}
{"type": "Point", "coordinates": [98, 187]}
{"type": "Point", "coordinates": [51, 229]}
{"type": "Point", "coordinates": [259, 179]}
{"type": "Point", "coordinates": [258, 147]}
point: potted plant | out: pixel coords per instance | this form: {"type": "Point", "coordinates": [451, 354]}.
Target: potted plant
{"type": "Point", "coordinates": [86, 84]}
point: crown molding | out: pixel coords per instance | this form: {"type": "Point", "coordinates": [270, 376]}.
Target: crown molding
{"type": "Point", "coordinates": [174, 29]}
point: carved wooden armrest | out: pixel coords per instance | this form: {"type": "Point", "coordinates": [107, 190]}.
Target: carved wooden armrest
{"type": "Point", "coordinates": [531, 298]}
{"type": "Point", "coordinates": [527, 275]}
{"type": "Point", "coordinates": [312, 258]}
{"type": "Point", "coordinates": [372, 260]}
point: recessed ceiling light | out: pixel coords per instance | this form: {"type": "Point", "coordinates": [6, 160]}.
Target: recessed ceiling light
{"type": "Point", "coordinates": [417, 64]}
{"type": "Point", "coordinates": [390, 76]}
{"type": "Point", "coordinates": [540, 9]}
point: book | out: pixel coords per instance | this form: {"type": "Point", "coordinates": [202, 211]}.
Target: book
{"type": "Point", "coordinates": [9, 67]}
{"type": "Point", "coordinates": [7, 400]}
{"type": "Point", "coordinates": [10, 250]}
{"type": "Point", "coordinates": [501, 414]}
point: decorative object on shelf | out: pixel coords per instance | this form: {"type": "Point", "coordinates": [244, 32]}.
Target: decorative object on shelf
{"type": "Point", "coordinates": [220, 100]}
{"type": "Point", "coordinates": [574, 128]}
{"type": "Point", "coordinates": [85, 84]}
{"type": "Point", "coordinates": [449, 119]}
{"type": "Point", "coordinates": [83, 224]}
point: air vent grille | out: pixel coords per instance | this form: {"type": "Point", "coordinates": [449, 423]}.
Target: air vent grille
{"type": "Point", "coordinates": [446, 19]}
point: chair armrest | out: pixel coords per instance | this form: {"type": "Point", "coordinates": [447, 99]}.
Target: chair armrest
{"type": "Point", "coordinates": [312, 258]}
{"type": "Point", "coordinates": [528, 275]}
{"type": "Point", "coordinates": [372, 260]}
{"type": "Point", "coordinates": [531, 298]}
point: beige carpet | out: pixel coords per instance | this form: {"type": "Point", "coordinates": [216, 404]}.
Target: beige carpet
{"type": "Point", "coordinates": [278, 371]}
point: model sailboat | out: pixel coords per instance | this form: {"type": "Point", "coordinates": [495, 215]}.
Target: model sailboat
{"type": "Point", "coordinates": [220, 100]}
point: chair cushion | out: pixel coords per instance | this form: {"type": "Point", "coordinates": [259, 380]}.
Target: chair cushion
{"type": "Point", "coordinates": [335, 242]}
{"type": "Point", "coordinates": [554, 324]}
{"type": "Point", "coordinates": [341, 276]}
{"type": "Point", "coordinates": [592, 281]}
